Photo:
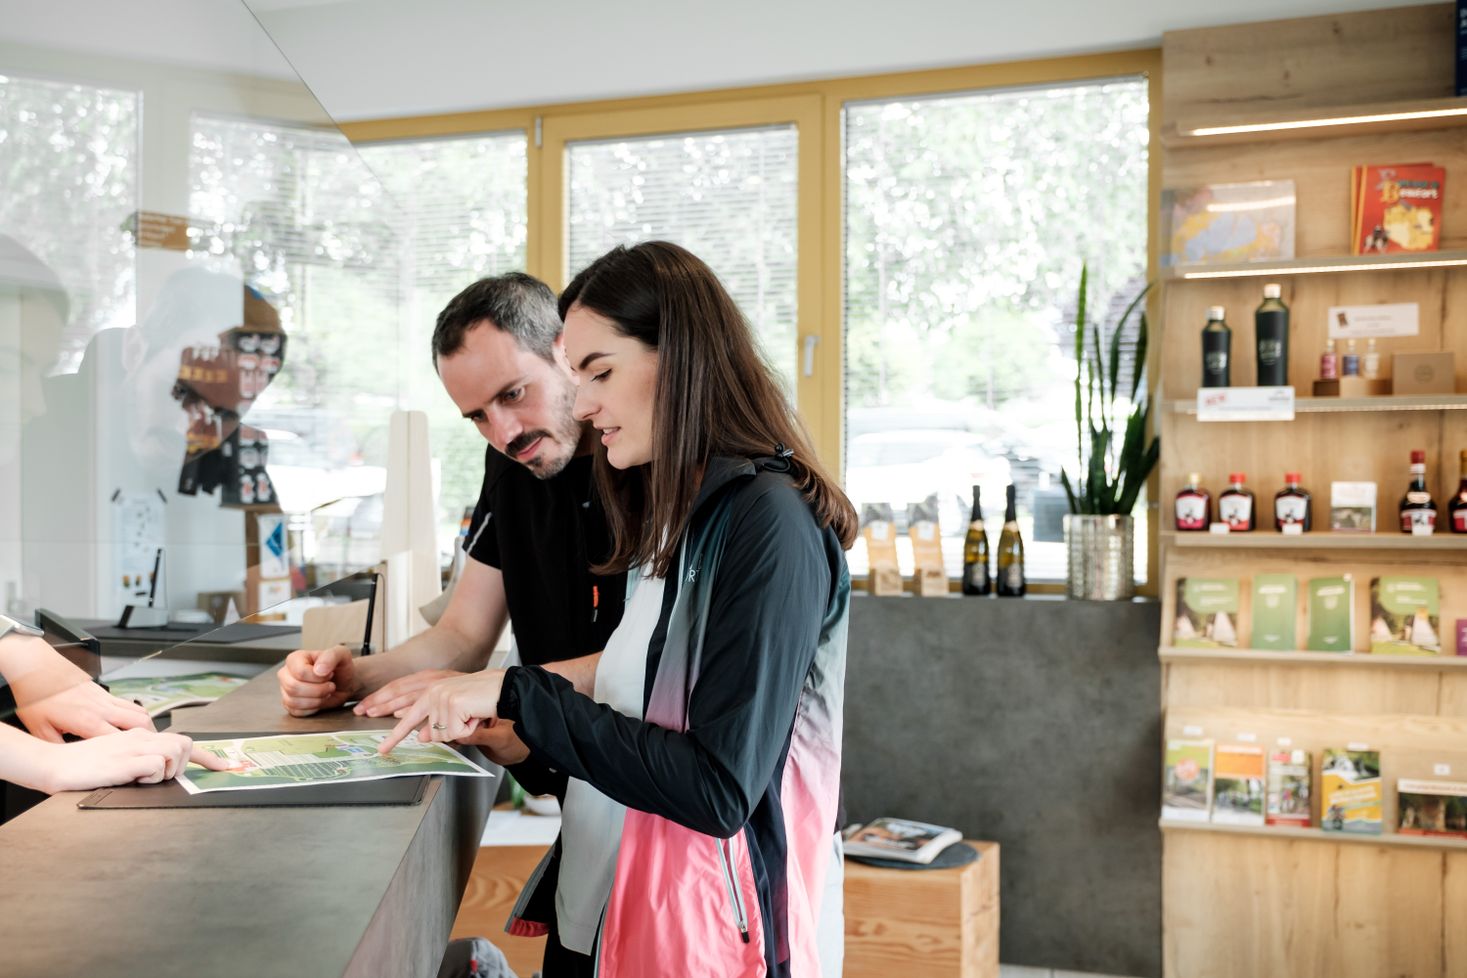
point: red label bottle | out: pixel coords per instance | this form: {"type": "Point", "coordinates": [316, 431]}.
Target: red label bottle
{"type": "Point", "coordinates": [1292, 505]}
{"type": "Point", "coordinates": [1418, 509]}
{"type": "Point", "coordinates": [1194, 505]}
{"type": "Point", "coordinates": [1235, 505]}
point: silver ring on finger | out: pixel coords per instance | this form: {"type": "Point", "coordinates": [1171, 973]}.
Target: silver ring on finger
{"type": "Point", "coordinates": [440, 726]}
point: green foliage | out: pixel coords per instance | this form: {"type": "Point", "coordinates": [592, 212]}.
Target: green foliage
{"type": "Point", "coordinates": [1114, 473]}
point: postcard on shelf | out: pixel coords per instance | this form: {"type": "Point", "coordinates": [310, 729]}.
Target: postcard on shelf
{"type": "Point", "coordinates": [1275, 610]}
{"type": "Point", "coordinates": [1430, 807]}
{"type": "Point", "coordinates": [1364, 322]}
{"type": "Point", "coordinates": [1289, 778]}
{"type": "Point", "coordinates": [1228, 223]}
{"type": "Point", "coordinates": [899, 838]}
{"type": "Point", "coordinates": [1405, 616]}
{"type": "Point", "coordinates": [1397, 208]}
{"type": "Point", "coordinates": [1207, 613]}
{"type": "Point", "coordinates": [1238, 785]}
{"type": "Point", "coordinates": [1332, 614]}
{"type": "Point", "coordinates": [1350, 791]}
{"type": "Point", "coordinates": [1186, 791]}
{"type": "Point", "coordinates": [1352, 507]}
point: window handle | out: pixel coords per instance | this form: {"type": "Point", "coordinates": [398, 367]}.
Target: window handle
{"type": "Point", "coordinates": [809, 360]}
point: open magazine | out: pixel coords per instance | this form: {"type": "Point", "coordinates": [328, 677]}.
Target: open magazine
{"type": "Point", "coordinates": [899, 838]}
{"type": "Point", "coordinates": [159, 694]}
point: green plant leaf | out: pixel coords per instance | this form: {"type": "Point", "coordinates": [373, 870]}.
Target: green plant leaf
{"type": "Point", "coordinates": [1080, 364]}
{"type": "Point", "coordinates": [1142, 338]}
{"type": "Point", "coordinates": [1070, 492]}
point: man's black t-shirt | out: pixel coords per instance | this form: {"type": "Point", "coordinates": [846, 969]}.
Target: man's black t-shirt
{"type": "Point", "coordinates": [544, 535]}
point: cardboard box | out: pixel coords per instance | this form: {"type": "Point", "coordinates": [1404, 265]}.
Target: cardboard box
{"type": "Point", "coordinates": [1423, 373]}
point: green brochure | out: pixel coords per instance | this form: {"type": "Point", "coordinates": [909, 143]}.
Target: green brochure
{"type": "Point", "coordinates": [1405, 616]}
{"type": "Point", "coordinates": [1275, 606]}
{"type": "Point", "coordinates": [1332, 614]}
{"type": "Point", "coordinates": [1207, 613]}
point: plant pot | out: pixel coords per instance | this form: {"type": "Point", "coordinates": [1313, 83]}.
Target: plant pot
{"type": "Point", "coordinates": [1101, 553]}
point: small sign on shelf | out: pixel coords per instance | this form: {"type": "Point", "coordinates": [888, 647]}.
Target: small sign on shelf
{"type": "Point", "coordinates": [1245, 404]}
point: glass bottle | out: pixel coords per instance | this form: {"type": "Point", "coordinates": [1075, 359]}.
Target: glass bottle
{"type": "Point", "coordinates": [1194, 505]}
{"type": "Point", "coordinates": [1292, 505]}
{"type": "Point", "coordinates": [1457, 505]}
{"type": "Point", "coordinates": [1271, 330]}
{"type": "Point", "coordinates": [1329, 363]}
{"type": "Point", "coordinates": [1350, 362]}
{"type": "Point", "coordinates": [1418, 509]}
{"type": "Point", "coordinates": [1011, 583]}
{"type": "Point", "coordinates": [1370, 363]}
{"type": "Point", "coordinates": [1217, 350]}
{"type": "Point", "coordinates": [1235, 505]}
{"type": "Point", "coordinates": [976, 579]}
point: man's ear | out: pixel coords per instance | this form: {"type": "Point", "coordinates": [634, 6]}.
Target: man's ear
{"type": "Point", "coordinates": [557, 352]}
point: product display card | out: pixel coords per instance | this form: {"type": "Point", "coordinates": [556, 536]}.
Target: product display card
{"type": "Point", "coordinates": [1331, 614]}
{"type": "Point", "coordinates": [1186, 792]}
{"type": "Point", "coordinates": [1275, 610]}
{"type": "Point", "coordinates": [1207, 613]}
{"type": "Point", "coordinates": [1363, 322]}
{"type": "Point", "coordinates": [1405, 616]}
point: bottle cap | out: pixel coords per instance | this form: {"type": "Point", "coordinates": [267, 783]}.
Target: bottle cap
{"type": "Point", "coordinates": [1237, 477]}
{"type": "Point", "coordinates": [1215, 312]}
{"type": "Point", "coordinates": [1370, 343]}
{"type": "Point", "coordinates": [1329, 346]}
{"type": "Point", "coordinates": [1291, 477]}
{"type": "Point", "coordinates": [1418, 457]}
{"type": "Point", "coordinates": [1272, 290]}
{"type": "Point", "coordinates": [1195, 478]}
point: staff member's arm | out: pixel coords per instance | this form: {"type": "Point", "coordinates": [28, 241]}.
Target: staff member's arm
{"type": "Point", "coordinates": [312, 680]}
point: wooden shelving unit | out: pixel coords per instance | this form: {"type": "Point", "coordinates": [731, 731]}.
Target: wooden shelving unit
{"type": "Point", "coordinates": [1346, 660]}
{"type": "Point", "coordinates": [1270, 539]}
{"type": "Point", "coordinates": [1320, 265]}
{"type": "Point", "coordinates": [1272, 102]}
{"type": "Point", "coordinates": [1290, 833]}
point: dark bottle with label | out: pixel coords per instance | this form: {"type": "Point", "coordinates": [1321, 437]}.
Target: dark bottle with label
{"type": "Point", "coordinates": [1194, 505]}
{"type": "Point", "coordinates": [1011, 582]}
{"type": "Point", "coordinates": [1457, 505]}
{"type": "Point", "coordinates": [1217, 350]}
{"type": "Point", "coordinates": [1235, 505]}
{"type": "Point", "coordinates": [976, 579]}
{"type": "Point", "coordinates": [1292, 506]}
{"type": "Point", "coordinates": [1271, 325]}
{"type": "Point", "coordinates": [1418, 509]}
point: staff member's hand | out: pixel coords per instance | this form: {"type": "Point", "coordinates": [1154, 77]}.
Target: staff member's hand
{"type": "Point", "coordinates": [395, 697]}
{"type": "Point", "coordinates": [144, 756]}
{"type": "Point", "coordinates": [450, 710]}
{"type": "Point", "coordinates": [312, 680]}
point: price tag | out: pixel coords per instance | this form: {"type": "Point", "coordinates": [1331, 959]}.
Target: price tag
{"type": "Point", "coordinates": [1357, 746]}
{"type": "Point", "coordinates": [1441, 770]}
{"type": "Point", "coordinates": [1192, 731]}
{"type": "Point", "coordinates": [1245, 404]}
{"type": "Point", "coordinates": [1286, 741]}
{"type": "Point", "coordinates": [1248, 738]}
{"type": "Point", "coordinates": [1219, 528]}
{"type": "Point", "coordinates": [1293, 529]}
{"type": "Point", "coordinates": [926, 531]}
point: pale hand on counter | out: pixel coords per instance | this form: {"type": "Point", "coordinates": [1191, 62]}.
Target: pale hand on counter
{"type": "Point", "coordinates": [312, 680]}
{"type": "Point", "coordinates": [452, 709]}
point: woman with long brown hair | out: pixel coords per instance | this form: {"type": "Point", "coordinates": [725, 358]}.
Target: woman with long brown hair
{"type": "Point", "coordinates": [705, 765]}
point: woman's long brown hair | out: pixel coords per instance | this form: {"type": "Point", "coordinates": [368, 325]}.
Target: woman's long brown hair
{"type": "Point", "coordinates": [715, 396]}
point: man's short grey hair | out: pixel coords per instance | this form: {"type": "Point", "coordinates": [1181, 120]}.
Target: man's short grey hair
{"type": "Point", "coordinates": [519, 304]}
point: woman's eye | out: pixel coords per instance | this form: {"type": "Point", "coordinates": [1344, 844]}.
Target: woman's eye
{"type": "Point", "coordinates": [602, 375]}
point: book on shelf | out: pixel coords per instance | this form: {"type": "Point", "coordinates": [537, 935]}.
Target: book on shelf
{"type": "Point", "coordinates": [1275, 608]}
{"type": "Point", "coordinates": [1228, 222]}
{"type": "Point", "coordinates": [1396, 207]}
{"type": "Point", "coordinates": [1350, 791]}
{"type": "Point", "coordinates": [1238, 785]}
{"type": "Point", "coordinates": [1289, 779]}
{"type": "Point", "coordinates": [1405, 616]}
{"type": "Point", "coordinates": [1352, 507]}
{"type": "Point", "coordinates": [1332, 614]}
{"type": "Point", "coordinates": [1431, 807]}
{"type": "Point", "coordinates": [1207, 613]}
{"type": "Point", "coordinates": [1186, 791]}
{"type": "Point", "coordinates": [899, 838]}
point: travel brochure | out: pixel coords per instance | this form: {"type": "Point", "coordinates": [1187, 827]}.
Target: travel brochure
{"type": "Point", "coordinates": [899, 838]}
{"type": "Point", "coordinates": [159, 695]}
{"type": "Point", "coordinates": [294, 760]}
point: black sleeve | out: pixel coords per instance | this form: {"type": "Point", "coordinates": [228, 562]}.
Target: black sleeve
{"type": "Point", "coordinates": [770, 593]}
{"type": "Point", "coordinates": [539, 778]}
{"type": "Point", "coordinates": [483, 540]}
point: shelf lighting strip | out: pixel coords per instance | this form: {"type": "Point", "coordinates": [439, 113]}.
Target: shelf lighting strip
{"type": "Point", "coordinates": [1343, 120]}
{"type": "Point", "coordinates": [1316, 269]}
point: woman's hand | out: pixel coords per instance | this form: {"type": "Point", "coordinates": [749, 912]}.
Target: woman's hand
{"type": "Point", "coordinates": [450, 710]}
{"type": "Point", "coordinates": [54, 697]}
{"type": "Point", "coordinates": [144, 756]}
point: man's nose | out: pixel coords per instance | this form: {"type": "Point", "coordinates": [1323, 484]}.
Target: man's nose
{"type": "Point", "coordinates": [504, 428]}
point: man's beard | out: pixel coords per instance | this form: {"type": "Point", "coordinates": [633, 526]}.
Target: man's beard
{"type": "Point", "coordinates": [567, 437]}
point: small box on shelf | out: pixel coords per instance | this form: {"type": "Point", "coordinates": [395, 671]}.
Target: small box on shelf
{"type": "Point", "coordinates": [1424, 373]}
{"type": "Point", "coordinates": [1352, 387]}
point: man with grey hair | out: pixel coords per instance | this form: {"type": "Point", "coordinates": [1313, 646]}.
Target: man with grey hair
{"type": "Point", "coordinates": [535, 533]}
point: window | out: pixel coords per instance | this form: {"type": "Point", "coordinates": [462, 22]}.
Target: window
{"type": "Point", "coordinates": [727, 196]}
{"type": "Point", "coordinates": [967, 219]}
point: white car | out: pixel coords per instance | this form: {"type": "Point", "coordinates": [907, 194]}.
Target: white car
{"type": "Point", "coordinates": [906, 466]}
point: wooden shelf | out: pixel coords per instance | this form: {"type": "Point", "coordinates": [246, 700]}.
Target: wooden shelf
{"type": "Point", "coordinates": [1291, 833]}
{"type": "Point", "coordinates": [1171, 653]}
{"type": "Point", "coordinates": [1343, 405]}
{"type": "Point", "coordinates": [1357, 119]}
{"type": "Point", "coordinates": [1269, 539]}
{"type": "Point", "coordinates": [1317, 265]}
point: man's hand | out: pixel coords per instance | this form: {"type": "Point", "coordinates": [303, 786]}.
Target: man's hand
{"type": "Point", "coordinates": [450, 710]}
{"type": "Point", "coordinates": [395, 697]}
{"type": "Point", "coordinates": [82, 709]}
{"type": "Point", "coordinates": [499, 742]}
{"type": "Point", "coordinates": [312, 680]}
{"type": "Point", "coordinates": [144, 756]}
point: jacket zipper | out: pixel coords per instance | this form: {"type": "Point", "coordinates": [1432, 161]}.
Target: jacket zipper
{"type": "Point", "coordinates": [725, 863]}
